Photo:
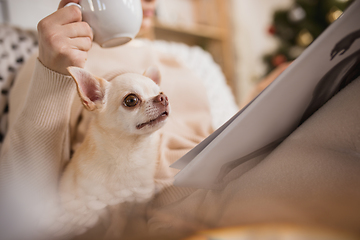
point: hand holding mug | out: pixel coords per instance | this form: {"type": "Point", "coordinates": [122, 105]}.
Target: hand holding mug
{"type": "Point", "coordinates": [64, 39]}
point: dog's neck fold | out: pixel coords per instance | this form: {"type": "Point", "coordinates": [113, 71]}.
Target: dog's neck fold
{"type": "Point", "coordinates": [115, 143]}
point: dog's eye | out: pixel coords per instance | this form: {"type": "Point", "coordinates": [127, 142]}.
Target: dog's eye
{"type": "Point", "coordinates": [131, 100]}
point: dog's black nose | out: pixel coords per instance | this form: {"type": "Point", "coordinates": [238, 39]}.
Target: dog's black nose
{"type": "Point", "coordinates": [162, 99]}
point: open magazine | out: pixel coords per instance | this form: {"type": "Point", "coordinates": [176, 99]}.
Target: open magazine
{"type": "Point", "coordinates": [330, 63]}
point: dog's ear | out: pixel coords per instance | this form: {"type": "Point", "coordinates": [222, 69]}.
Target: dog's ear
{"type": "Point", "coordinates": [91, 89]}
{"type": "Point", "coordinates": [154, 74]}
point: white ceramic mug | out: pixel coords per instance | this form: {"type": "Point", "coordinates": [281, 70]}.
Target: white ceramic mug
{"type": "Point", "coordinates": [114, 22]}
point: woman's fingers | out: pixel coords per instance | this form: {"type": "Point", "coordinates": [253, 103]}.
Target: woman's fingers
{"type": "Point", "coordinates": [82, 43]}
{"type": "Point", "coordinates": [64, 39]}
{"type": "Point", "coordinates": [67, 15]}
{"type": "Point", "coordinates": [78, 29]}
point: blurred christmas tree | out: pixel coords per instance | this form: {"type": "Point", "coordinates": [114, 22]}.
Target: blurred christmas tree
{"type": "Point", "coordinates": [297, 27]}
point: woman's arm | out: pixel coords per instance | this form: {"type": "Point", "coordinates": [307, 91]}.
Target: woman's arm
{"type": "Point", "coordinates": [37, 141]}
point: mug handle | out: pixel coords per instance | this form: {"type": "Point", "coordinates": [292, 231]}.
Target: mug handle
{"type": "Point", "coordinates": [73, 4]}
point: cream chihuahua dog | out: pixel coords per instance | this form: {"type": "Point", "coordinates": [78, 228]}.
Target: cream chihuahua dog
{"type": "Point", "coordinates": [116, 162]}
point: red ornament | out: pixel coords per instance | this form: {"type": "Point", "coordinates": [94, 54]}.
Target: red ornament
{"type": "Point", "coordinates": [272, 30]}
{"type": "Point", "coordinates": [278, 59]}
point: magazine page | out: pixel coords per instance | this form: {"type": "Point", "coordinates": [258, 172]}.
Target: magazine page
{"type": "Point", "coordinates": [323, 69]}
{"type": "Point", "coordinates": [188, 157]}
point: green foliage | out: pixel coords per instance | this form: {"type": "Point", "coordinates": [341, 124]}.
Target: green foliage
{"type": "Point", "coordinates": [299, 25]}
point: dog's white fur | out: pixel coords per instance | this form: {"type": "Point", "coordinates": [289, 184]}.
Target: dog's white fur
{"type": "Point", "coordinates": [116, 162]}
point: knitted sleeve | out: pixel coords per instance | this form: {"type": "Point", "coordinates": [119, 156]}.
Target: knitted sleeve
{"type": "Point", "coordinates": [16, 46]}
{"type": "Point", "coordinates": [37, 140]}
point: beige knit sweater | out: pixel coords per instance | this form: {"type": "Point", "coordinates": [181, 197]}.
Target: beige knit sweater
{"type": "Point", "coordinates": [45, 124]}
